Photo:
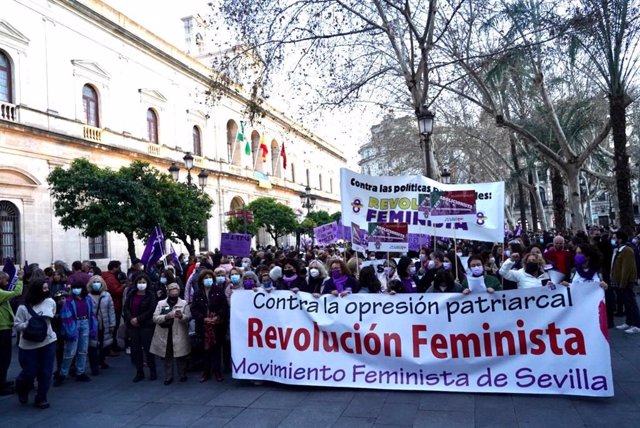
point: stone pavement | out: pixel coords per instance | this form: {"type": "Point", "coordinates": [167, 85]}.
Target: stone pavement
{"type": "Point", "coordinates": [112, 400]}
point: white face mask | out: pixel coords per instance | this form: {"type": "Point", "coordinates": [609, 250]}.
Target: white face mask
{"type": "Point", "coordinates": [141, 286]}
{"type": "Point", "coordinates": [431, 264]}
{"type": "Point", "coordinates": [314, 272]}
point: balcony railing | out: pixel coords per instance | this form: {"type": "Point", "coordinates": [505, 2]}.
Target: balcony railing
{"type": "Point", "coordinates": [8, 112]}
{"type": "Point", "coordinates": [92, 134]}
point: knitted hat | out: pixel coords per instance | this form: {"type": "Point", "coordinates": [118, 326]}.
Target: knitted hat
{"type": "Point", "coordinates": [275, 273]}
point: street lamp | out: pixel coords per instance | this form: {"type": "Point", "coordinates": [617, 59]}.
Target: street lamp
{"type": "Point", "coordinates": [307, 199]}
{"type": "Point", "coordinates": [445, 176]}
{"type": "Point", "coordinates": [425, 126]}
{"type": "Point", "coordinates": [188, 163]}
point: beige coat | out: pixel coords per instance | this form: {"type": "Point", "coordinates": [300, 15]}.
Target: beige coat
{"type": "Point", "coordinates": [180, 331]}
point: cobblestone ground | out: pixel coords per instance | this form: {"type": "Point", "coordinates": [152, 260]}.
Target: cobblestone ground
{"type": "Point", "coordinates": [112, 400]}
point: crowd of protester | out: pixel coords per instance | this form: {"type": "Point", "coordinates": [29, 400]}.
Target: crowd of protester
{"type": "Point", "coordinates": [179, 312]}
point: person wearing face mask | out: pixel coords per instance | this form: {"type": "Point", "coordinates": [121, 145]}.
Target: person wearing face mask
{"type": "Point", "coordinates": [477, 269]}
{"type": "Point", "coordinates": [6, 325]}
{"type": "Point", "coordinates": [453, 263]}
{"type": "Point", "coordinates": [588, 262]}
{"type": "Point", "coordinates": [249, 281]}
{"type": "Point", "coordinates": [444, 282]}
{"type": "Point", "coordinates": [530, 276]}
{"type": "Point", "coordinates": [290, 279]}
{"type": "Point", "coordinates": [624, 277]}
{"type": "Point", "coordinates": [340, 283]}
{"type": "Point", "coordinates": [79, 326]}
{"type": "Point", "coordinates": [434, 266]}
{"type": "Point", "coordinates": [317, 276]}
{"type": "Point", "coordinates": [138, 316]}
{"type": "Point", "coordinates": [235, 282]}
{"type": "Point", "coordinates": [116, 289]}
{"type": "Point", "coordinates": [246, 264]}
{"type": "Point", "coordinates": [210, 310]}
{"type": "Point", "coordinates": [407, 273]}
{"type": "Point", "coordinates": [36, 358]}
{"type": "Point", "coordinates": [171, 336]}
{"type": "Point", "coordinates": [166, 277]}
{"type": "Point", "coordinates": [106, 317]}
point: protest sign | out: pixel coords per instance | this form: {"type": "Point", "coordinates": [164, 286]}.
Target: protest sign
{"type": "Point", "coordinates": [235, 244]}
{"type": "Point", "coordinates": [389, 237]}
{"type": "Point", "coordinates": [326, 234]}
{"type": "Point", "coordinates": [453, 205]}
{"type": "Point", "coordinates": [418, 241]}
{"type": "Point", "coordinates": [407, 199]}
{"type": "Point", "coordinates": [532, 341]}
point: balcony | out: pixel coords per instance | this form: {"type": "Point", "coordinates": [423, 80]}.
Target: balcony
{"type": "Point", "coordinates": [8, 112]}
{"type": "Point", "coordinates": [92, 134]}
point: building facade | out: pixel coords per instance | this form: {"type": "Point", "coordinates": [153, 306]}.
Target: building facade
{"type": "Point", "coordinates": [78, 79]}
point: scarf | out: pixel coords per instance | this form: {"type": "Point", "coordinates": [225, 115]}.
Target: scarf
{"type": "Point", "coordinates": [586, 274]}
{"type": "Point", "coordinates": [289, 280]}
{"type": "Point", "coordinates": [340, 282]}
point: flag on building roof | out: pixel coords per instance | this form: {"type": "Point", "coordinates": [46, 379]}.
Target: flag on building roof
{"type": "Point", "coordinates": [283, 155]}
{"type": "Point", "coordinates": [263, 148]}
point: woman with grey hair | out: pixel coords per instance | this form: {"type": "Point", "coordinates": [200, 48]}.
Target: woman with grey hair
{"type": "Point", "coordinates": [106, 315]}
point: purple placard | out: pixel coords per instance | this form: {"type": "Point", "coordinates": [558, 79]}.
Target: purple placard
{"type": "Point", "coordinates": [235, 244]}
{"type": "Point", "coordinates": [419, 240]}
{"type": "Point", "coordinates": [326, 234]}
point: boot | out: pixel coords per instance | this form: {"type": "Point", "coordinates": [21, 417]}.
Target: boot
{"type": "Point", "coordinates": [23, 392]}
{"type": "Point", "coordinates": [139, 377]}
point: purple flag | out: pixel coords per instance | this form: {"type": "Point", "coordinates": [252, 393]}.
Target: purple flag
{"type": "Point", "coordinates": [176, 261]}
{"type": "Point", "coordinates": [10, 269]}
{"type": "Point", "coordinates": [154, 250]}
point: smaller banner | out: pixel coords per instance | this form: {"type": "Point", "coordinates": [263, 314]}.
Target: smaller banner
{"type": "Point", "coordinates": [358, 238]}
{"type": "Point", "coordinates": [326, 234]}
{"type": "Point", "coordinates": [419, 240]}
{"type": "Point", "coordinates": [235, 244]}
{"type": "Point", "coordinates": [391, 237]}
{"type": "Point", "coordinates": [453, 205]}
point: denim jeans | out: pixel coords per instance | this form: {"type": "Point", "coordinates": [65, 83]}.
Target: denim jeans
{"type": "Point", "coordinates": [80, 347]}
{"type": "Point", "coordinates": [36, 363]}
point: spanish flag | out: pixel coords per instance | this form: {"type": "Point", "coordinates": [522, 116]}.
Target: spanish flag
{"type": "Point", "coordinates": [263, 148]}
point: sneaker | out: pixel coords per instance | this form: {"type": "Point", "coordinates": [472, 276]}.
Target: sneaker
{"type": "Point", "coordinates": [83, 378]}
{"type": "Point", "coordinates": [624, 326]}
{"type": "Point", "coordinates": [632, 330]}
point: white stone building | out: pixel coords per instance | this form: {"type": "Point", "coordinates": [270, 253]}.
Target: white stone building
{"type": "Point", "coordinates": [80, 79]}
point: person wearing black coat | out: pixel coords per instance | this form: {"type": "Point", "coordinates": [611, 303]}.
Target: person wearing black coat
{"type": "Point", "coordinates": [292, 279]}
{"type": "Point", "coordinates": [140, 304]}
{"type": "Point", "coordinates": [340, 282]}
{"type": "Point", "coordinates": [210, 310]}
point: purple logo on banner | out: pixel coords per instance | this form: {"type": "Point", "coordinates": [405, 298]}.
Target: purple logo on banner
{"type": "Point", "coordinates": [326, 234]}
{"type": "Point", "coordinates": [419, 240]}
{"type": "Point", "coordinates": [235, 244]}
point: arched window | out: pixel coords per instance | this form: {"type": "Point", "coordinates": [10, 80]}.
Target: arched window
{"type": "Point", "coordinates": [197, 147]}
{"type": "Point", "coordinates": [152, 126]}
{"type": "Point", "coordinates": [9, 231]}
{"type": "Point", "coordinates": [543, 196]}
{"type": "Point", "coordinates": [233, 153]}
{"type": "Point", "coordinates": [275, 157]}
{"type": "Point", "coordinates": [255, 147]}
{"type": "Point", "coordinates": [90, 106]}
{"type": "Point", "coordinates": [5, 78]}
{"type": "Point", "coordinates": [237, 203]}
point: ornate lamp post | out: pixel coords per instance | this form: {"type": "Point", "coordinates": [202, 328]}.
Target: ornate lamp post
{"type": "Point", "coordinates": [425, 125]}
{"type": "Point", "coordinates": [445, 176]}
{"type": "Point", "coordinates": [188, 163]}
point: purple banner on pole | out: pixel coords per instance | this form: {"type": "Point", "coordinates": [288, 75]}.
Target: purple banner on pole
{"type": "Point", "coordinates": [419, 240]}
{"type": "Point", "coordinates": [326, 234]}
{"type": "Point", "coordinates": [235, 244]}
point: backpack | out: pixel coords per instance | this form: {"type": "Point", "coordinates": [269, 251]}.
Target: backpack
{"type": "Point", "coordinates": [37, 327]}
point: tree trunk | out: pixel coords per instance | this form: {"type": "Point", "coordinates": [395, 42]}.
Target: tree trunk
{"type": "Point", "coordinates": [621, 162]}
{"type": "Point", "coordinates": [575, 201]}
{"type": "Point", "coordinates": [516, 167]}
{"type": "Point", "coordinates": [191, 249]}
{"type": "Point", "coordinates": [558, 197]}
{"type": "Point", "coordinates": [538, 201]}
{"type": "Point", "coordinates": [131, 245]}
{"type": "Point", "coordinates": [532, 202]}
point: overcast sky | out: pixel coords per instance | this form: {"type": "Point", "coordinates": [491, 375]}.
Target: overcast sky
{"type": "Point", "coordinates": [163, 17]}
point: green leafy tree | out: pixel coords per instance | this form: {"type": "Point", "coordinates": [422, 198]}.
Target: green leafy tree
{"type": "Point", "coordinates": [236, 225]}
{"type": "Point", "coordinates": [131, 201]}
{"type": "Point", "coordinates": [276, 218]}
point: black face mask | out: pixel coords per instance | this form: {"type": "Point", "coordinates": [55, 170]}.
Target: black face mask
{"type": "Point", "coordinates": [289, 272]}
{"type": "Point", "coordinates": [532, 267]}
{"type": "Point", "coordinates": [172, 299]}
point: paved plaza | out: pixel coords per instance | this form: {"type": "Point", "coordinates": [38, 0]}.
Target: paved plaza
{"type": "Point", "coordinates": [112, 400]}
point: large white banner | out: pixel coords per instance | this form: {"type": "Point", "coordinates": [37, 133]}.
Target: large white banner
{"type": "Point", "coordinates": [531, 341]}
{"type": "Point", "coordinates": [462, 211]}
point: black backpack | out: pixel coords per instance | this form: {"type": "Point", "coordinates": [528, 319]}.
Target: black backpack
{"type": "Point", "coordinates": [37, 327]}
